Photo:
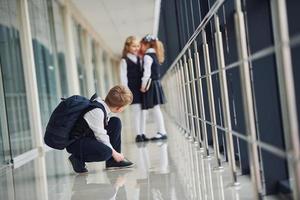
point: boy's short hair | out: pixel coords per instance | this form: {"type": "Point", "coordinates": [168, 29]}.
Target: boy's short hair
{"type": "Point", "coordinates": [119, 96]}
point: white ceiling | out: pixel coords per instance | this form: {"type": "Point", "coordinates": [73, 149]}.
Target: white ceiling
{"type": "Point", "coordinates": [115, 20]}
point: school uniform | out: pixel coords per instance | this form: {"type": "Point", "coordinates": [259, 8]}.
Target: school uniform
{"type": "Point", "coordinates": [131, 73]}
{"type": "Point", "coordinates": [96, 134]}
{"type": "Point", "coordinates": [155, 95]}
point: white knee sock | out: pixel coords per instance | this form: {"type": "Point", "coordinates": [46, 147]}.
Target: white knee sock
{"type": "Point", "coordinates": [136, 113]}
{"type": "Point", "coordinates": [143, 121]}
{"type": "Point", "coordinates": [158, 117]}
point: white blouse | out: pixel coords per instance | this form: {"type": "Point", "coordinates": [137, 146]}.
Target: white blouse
{"type": "Point", "coordinates": [95, 118]}
{"type": "Point", "coordinates": [147, 66]}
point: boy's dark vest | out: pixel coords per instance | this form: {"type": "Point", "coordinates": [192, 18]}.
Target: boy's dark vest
{"type": "Point", "coordinates": [155, 72]}
{"type": "Point", "coordinates": [82, 129]}
{"type": "Point", "coordinates": [134, 71]}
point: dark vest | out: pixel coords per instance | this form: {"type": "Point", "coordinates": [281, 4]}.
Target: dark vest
{"type": "Point", "coordinates": [134, 70]}
{"type": "Point", "coordinates": [134, 73]}
{"type": "Point", "coordinates": [155, 67]}
{"type": "Point", "coordinates": [82, 129]}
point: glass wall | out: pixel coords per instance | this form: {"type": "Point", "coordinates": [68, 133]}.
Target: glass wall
{"type": "Point", "coordinates": [2, 158]}
{"type": "Point", "coordinates": [78, 41]}
{"type": "Point", "coordinates": [49, 49]}
{"type": "Point", "coordinates": [95, 68]}
{"type": "Point", "coordinates": [13, 78]}
{"type": "Point", "coordinates": [2, 114]}
{"type": "Point", "coordinates": [5, 153]}
{"type": "Point", "coordinates": [115, 71]}
{"type": "Point", "coordinates": [43, 55]}
{"type": "Point", "coordinates": [105, 71]}
{"type": "Point", "coordinates": [58, 38]}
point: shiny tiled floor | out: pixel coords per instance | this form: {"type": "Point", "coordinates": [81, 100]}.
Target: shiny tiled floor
{"type": "Point", "coordinates": [173, 170]}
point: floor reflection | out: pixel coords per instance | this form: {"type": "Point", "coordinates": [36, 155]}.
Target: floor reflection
{"type": "Point", "coordinates": [6, 184]}
{"type": "Point", "coordinates": [170, 170]}
{"type": "Point", "coordinates": [156, 181]}
{"type": "Point", "coordinates": [83, 188]}
{"type": "Point", "coordinates": [150, 179]}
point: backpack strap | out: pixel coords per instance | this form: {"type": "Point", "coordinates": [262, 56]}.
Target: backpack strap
{"type": "Point", "coordinates": [93, 97]}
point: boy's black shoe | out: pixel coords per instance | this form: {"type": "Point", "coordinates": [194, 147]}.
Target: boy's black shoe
{"type": "Point", "coordinates": [78, 165]}
{"type": "Point", "coordinates": [112, 164]}
{"type": "Point", "coordinates": [145, 138]}
{"type": "Point", "coordinates": [159, 136]}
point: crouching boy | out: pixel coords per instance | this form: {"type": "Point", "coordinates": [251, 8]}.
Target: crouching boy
{"type": "Point", "coordinates": [98, 136]}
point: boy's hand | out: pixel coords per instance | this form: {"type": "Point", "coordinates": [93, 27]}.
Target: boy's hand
{"type": "Point", "coordinates": [117, 156]}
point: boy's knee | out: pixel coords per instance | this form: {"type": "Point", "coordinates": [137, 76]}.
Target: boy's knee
{"type": "Point", "coordinates": [115, 121]}
{"type": "Point", "coordinates": [105, 153]}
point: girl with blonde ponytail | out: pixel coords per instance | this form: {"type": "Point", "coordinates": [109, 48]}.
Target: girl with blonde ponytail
{"type": "Point", "coordinates": [153, 95]}
{"type": "Point", "coordinates": [131, 73]}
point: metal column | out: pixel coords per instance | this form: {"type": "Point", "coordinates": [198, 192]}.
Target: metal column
{"type": "Point", "coordinates": [197, 137]}
{"type": "Point", "coordinates": [201, 101]}
{"type": "Point", "coordinates": [186, 111]}
{"type": "Point", "coordinates": [287, 90]}
{"type": "Point", "coordinates": [225, 99]}
{"type": "Point", "coordinates": [189, 101]}
{"type": "Point", "coordinates": [247, 100]}
{"type": "Point", "coordinates": [181, 100]}
{"type": "Point", "coordinates": [211, 99]}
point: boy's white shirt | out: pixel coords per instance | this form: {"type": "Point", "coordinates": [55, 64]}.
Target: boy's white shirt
{"type": "Point", "coordinates": [123, 68]}
{"type": "Point", "coordinates": [95, 119]}
{"type": "Point", "coordinates": [147, 66]}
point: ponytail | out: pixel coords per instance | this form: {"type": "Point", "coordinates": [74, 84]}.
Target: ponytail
{"type": "Point", "coordinates": [153, 42]}
{"type": "Point", "coordinates": [160, 51]}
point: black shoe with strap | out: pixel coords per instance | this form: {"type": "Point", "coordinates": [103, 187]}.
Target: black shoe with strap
{"type": "Point", "coordinates": [141, 138]}
{"type": "Point", "coordinates": [112, 164]}
{"type": "Point", "coordinates": [159, 136]}
{"type": "Point", "coordinates": [77, 164]}
{"type": "Point", "coordinates": [145, 138]}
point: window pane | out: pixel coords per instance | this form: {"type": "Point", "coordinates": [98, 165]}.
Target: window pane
{"type": "Point", "coordinates": [2, 158]}
{"type": "Point", "coordinates": [46, 71]}
{"type": "Point", "coordinates": [97, 82]}
{"type": "Point", "coordinates": [4, 143]}
{"type": "Point", "coordinates": [77, 32]}
{"type": "Point", "coordinates": [105, 71]}
{"type": "Point", "coordinates": [13, 78]}
{"type": "Point", "coordinates": [59, 42]}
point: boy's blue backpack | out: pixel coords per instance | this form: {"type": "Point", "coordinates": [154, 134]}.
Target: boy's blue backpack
{"type": "Point", "coordinates": [64, 117]}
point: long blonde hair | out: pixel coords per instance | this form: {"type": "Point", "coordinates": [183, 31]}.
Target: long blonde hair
{"type": "Point", "coordinates": [129, 40]}
{"type": "Point", "coordinates": [157, 45]}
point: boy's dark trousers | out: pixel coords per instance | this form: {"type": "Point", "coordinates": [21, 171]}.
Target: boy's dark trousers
{"type": "Point", "coordinates": [89, 149]}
